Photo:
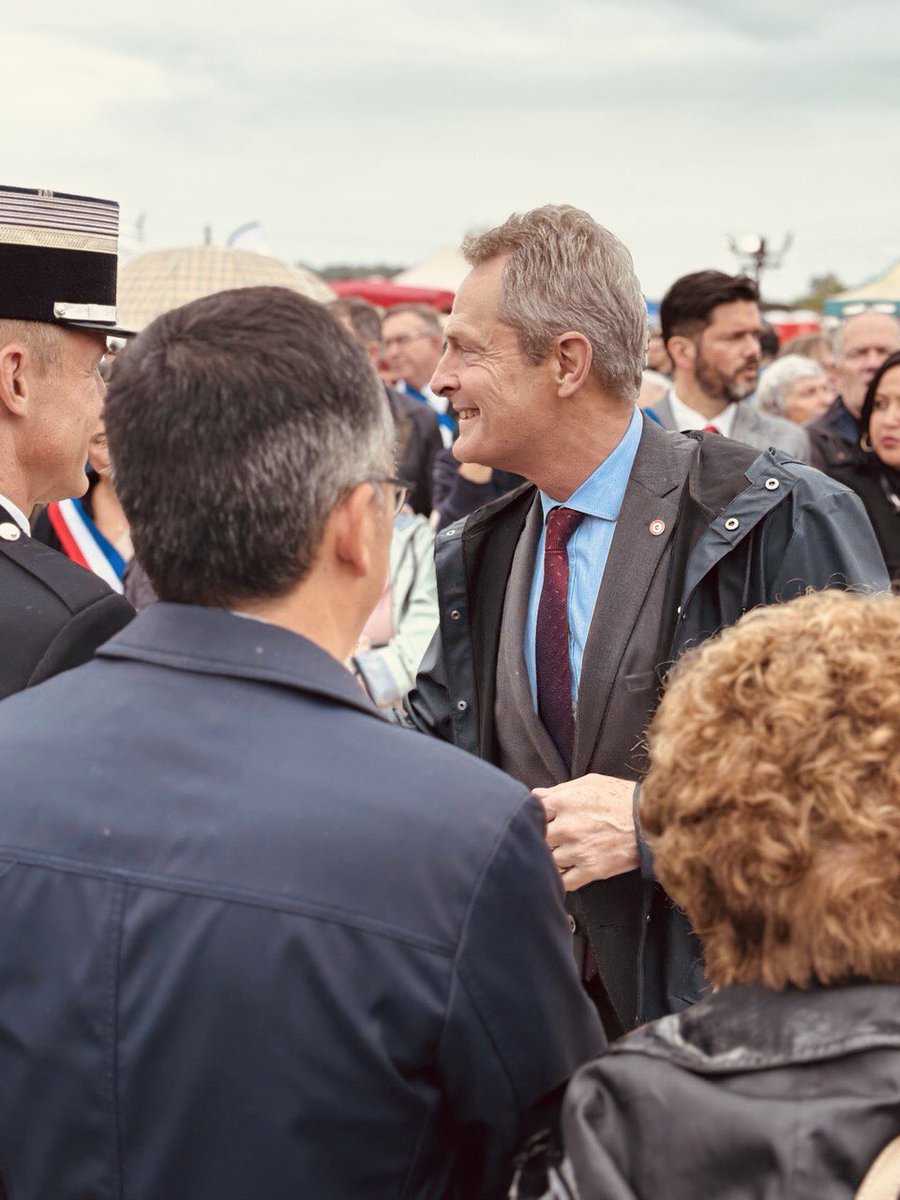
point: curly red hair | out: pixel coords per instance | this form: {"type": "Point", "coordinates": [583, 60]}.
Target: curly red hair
{"type": "Point", "coordinates": [773, 801]}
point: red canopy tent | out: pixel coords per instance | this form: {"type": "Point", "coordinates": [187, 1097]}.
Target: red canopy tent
{"type": "Point", "coordinates": [387, 295]}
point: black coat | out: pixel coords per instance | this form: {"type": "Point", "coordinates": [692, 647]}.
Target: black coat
{"type": "Point", "coordinates": [749, 1094]}
{"type": "Point", "coordinates": [53, 612]}
{"type": "Point", "coordinates": [834, 438]}
{"type": "Point", "coordinates": [255, 939]}
{"type": "Point", "coordinates": [418, 439]}
{"type": "Point", "coordinates": [874, 485]}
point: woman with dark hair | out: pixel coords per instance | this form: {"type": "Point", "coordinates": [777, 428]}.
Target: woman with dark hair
{"type": "Point", "coordinates": [876, 479]}
{"type": "Point", "coordinates": [773, 811]}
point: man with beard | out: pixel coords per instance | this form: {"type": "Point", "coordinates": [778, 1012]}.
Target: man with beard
{"type": "Point", "coordinates": [711, 327]}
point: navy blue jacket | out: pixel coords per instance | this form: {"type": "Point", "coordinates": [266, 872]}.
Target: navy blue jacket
{"type": "Point", "coordinates": [258, 942]}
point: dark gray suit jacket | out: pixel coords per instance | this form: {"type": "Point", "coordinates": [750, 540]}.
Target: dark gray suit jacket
{"type": "Point", "coordinates": [751, 427]}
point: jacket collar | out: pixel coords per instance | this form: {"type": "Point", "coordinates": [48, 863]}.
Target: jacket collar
{"type": "Point", "coordinates": [745, 1028]}
{"type": "Point", "coordinates": [211, 641]}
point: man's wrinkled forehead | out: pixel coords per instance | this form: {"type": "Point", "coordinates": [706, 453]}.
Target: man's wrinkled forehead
{"type": "Point", "coordinates": [475, 307]}
{"type": "Point", "coordinates": [405, 322]}
{"type": "Point", "coordinates": [877, 330]}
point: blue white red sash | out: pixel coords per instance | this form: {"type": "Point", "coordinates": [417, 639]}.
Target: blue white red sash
{"type": "Point", "coordinates": [83, 542]}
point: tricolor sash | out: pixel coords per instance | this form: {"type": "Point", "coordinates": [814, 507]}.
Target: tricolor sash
{"type": "Point", "coordinates": [83, 542]}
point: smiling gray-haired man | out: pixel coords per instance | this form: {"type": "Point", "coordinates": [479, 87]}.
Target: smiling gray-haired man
{"type": "Point", "coordinates": [563, 603]}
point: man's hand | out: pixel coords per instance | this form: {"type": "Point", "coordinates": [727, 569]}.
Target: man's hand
{"type": "Point", "coordinates": [590, 828]}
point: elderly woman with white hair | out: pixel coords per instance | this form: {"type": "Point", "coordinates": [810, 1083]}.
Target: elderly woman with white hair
{"type": "Point", "coordinates": [794, 387]}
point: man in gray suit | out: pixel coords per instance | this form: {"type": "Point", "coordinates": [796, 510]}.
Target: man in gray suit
{"type": "Point", "coordinates": [563, 603]}
{"type": "Point", "coordinates": [711, 327]}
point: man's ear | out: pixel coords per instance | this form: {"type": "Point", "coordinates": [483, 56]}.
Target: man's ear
{"type": "Point", "coordinates": [351, 529]}
{"type": "Point", "coordinates": [14, 358]}
{"type": "Point", "coordinates": [682, 351]}
{"type": "Point", "coordinates": [573, 356]}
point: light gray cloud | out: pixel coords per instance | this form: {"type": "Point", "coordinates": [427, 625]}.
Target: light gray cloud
{"type": "Point", "coordinates": [362, 130]}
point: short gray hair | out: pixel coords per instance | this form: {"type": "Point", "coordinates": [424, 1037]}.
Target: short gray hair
{"type": "Point", "coordinates": [778, 379]}
{"type": "Point", "coordinates": [565, 272]}
{"type": "Point", "coordinates": [43, 339]}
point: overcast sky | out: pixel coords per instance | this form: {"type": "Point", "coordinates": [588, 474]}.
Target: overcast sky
{"type": "Point", "coordinates": [367, 130]}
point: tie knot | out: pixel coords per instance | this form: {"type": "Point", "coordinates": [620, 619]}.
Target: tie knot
{"type": "Point", "coordinates": [561, 524]}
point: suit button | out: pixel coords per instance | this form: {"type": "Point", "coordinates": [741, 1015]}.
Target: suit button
{"type": "Point", "coordinates": [10, 532]}
{"type": "Point", "coordinates": [572, 924]}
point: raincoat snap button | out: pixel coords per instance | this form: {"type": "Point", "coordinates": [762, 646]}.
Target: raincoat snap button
{"type": "Point", "coordinates": [772, 485]}
{"type": "Point", "coordinates": [731, 524]}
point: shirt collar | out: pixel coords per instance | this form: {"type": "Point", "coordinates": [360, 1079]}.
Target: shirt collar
{"type": "Point", "coordinates": [16, 513]}
{"type": "Point", "coordinates": [688, 418]}
{"type": "Point", "coordinates": [602, 492]}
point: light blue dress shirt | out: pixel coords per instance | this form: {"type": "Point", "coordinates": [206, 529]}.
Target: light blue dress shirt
{"type": "Point", "coordinates": [600, 499]}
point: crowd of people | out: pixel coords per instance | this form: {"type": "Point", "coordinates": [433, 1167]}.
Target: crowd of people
{"type": "Point", "coordinates": [497, 789]}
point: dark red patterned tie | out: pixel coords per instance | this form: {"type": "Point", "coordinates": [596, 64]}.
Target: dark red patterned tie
{"type": "Point", "coordinates": [554, 672]}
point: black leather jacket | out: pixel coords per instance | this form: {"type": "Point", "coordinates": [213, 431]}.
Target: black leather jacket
{"type": "Point", "coordinates": [749, 1094]}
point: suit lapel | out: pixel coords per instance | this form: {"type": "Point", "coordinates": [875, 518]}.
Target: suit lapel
{"type": "Point", "coordinates": [652, 496]}
{"type": "Point", "coordinates": [515, 615]}
{"type": "Point", "coordinates": [489, 541]}
{"type": "Point", "coordinates": [745, 421]}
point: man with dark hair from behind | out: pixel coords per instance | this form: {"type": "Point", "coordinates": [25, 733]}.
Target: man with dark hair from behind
{"type": "Point", "coordinates": [278, 946]}
{"type": "Point", "coordinates": [711, 327]}
{"type": "Point", "coordinates": [417, 433]}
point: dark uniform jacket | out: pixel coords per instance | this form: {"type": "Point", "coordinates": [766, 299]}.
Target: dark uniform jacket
{"type": "Point", "coordinates": [739, 529]}
{"type": "Point", "coordinates": [256, 939]}
{"type": "Point", "coordinates": [750, 1094]}
{"type": "Point", "coordinates": [417, 442]}
{"type": "Point", "coordinates": [53, 613]}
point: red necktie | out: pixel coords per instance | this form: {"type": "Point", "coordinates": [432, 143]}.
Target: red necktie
{"type": "Point", "coordinates": [710, 429]}
{"type": "Point", "coordinates": [553, 669]}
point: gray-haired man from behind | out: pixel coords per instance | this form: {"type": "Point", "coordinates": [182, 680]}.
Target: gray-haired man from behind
{"type": "Point", "coordinates": [278, 947]}
{"type": "Point", "coordinates": [563, 603]}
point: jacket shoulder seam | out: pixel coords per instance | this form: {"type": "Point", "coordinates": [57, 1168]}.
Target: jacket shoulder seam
{"type": "Point", "coordinates": [233, 895]}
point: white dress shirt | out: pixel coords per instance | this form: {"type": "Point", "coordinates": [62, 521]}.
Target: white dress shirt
{"type": "Point", "coordinates": [688, 418]}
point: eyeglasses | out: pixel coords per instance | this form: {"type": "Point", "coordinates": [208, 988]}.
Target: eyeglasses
{"type": "Point", "coordinates": [402, 488]}
{"type": "Point", "coordinates": [403, 339]}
